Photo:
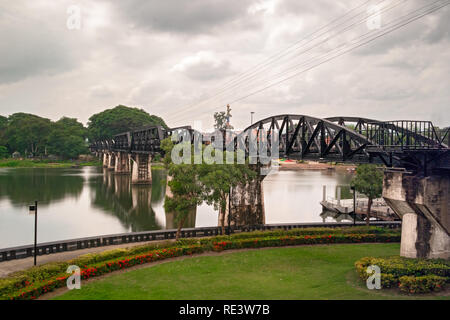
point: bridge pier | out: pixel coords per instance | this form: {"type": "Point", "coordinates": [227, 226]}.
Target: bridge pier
{"type": "Point", "coordinates": [111, 161]}
{"type": "Point", "coordinates": [122, 163]}
{"type": "Point", "coordinates": [141, 172]}
{"type": "Point", "coordinates": [247, 205]}
{"type": "Point", "coordinates": [105, 159]}
{"type": "Point", "coordinates": [423, 203]}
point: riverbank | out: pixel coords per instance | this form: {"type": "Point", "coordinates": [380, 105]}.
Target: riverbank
{"type": "Point", "coordinates": [313, 165]}
{"type": "Point", "coordinates": [32, 283]}
{"type": "Point", "coordinates": [297, 272]}
{"type": "Point", "coordinates": [19, 163]}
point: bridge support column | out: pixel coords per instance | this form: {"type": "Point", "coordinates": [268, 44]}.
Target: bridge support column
{"type": "Point", "coordinates": [247, 205]}
{"type": "Point", "coordinates": [423, 203]}
{"type": "Point", "coordinates": [122, 164]}
{"type": "Point", "coordinates": [111, 161]}
{"type": "Point", "coordinates": [142, 169]}
{"type": "Point", "coordinates": [105, 160]}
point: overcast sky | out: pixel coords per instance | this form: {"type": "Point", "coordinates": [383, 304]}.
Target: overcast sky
{"type": "Point", "coordinates": [165, 56]}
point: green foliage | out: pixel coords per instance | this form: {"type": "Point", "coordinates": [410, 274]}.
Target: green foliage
{"type": "Point", "coordinates": [27, 133]}
{"type": "Point", "coordinates": [36, 136]}
{"type": "Point", "coordinates": [410, 275]}
{"type": "Point", "coordinates": [368, 180]}
{"type": "Point", "coordinates": [220, 120]}
{"type": "Point", "coordinates": [106, 124]}
{"type": "Point", "coordinates": [4, 153]}
{"type": "Point", "coordinates": [218, 179]}
{"type": "Point", "coordinates": [68, 138]}
{"type": "Point", "coordinates": [3, 126]}
{"type": "Point", "coordinates": [187, 190]}
{"type": "Point", "coordinates": [422, 284]}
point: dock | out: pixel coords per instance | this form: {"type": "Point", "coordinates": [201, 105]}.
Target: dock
{"type": "Point", "coordinates": [379, 210]}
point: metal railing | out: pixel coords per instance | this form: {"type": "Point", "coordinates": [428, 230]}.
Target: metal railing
{"type": "Point", "coordinates": [21, 252]}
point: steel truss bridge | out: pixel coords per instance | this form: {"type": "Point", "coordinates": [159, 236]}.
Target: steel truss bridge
{"type": "Point", "coordinates": [417, 146]}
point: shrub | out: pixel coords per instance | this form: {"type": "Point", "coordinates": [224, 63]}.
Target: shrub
{"type": "Point", "coordinates": [422, 284]}
{"type": "Point", "coordinates": [410, 275]}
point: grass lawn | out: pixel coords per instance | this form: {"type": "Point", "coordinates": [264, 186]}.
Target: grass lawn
{"type": "Point", "coordinates": [12, 163]}
{"type": "Point", "coordinates": [309, 272]}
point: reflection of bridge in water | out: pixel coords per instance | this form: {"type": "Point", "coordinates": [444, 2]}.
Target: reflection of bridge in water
{"type": "Point", "coordinates": [417, 188]}
{"type": "Point", "coordinates": [133, 205]}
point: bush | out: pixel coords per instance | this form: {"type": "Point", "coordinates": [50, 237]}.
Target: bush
{"type": "Point", "coordinates": [422, 284]}
{"type": "Point", "coordinates": [410, 275]}
{"type": "Point", "coordinates": [303, 231]}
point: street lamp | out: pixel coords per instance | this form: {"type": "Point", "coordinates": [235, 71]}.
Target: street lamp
{"type": "Point", "coordinates": [33, 210]}
{"type": "Point", "coordinates": [354, 204]}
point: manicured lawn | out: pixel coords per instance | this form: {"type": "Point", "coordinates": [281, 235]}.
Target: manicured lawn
{"type": "Point", "coordinates": [309, 272]}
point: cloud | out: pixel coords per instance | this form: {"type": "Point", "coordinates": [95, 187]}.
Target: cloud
{"type": "Point", "coordinates": [193, 16]}
{"type": "Point", "coordinates": [203, 66]}
{"type": "Point", "coordinates": [167, 56]}
{"type": "Point", "coordinates": [30, 47]}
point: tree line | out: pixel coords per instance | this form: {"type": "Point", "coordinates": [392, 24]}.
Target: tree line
{"type": "Point", "coordinates": [32, 136]}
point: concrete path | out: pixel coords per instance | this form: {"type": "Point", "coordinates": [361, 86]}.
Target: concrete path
{"type": "Point", "coordinates": [8, 267]}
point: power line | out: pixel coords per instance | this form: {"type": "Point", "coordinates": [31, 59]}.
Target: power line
{"type": "Point", "coordinates": [402, 23]}
{"type": "Point", "coordinates": [287, 48]}
{"type": "Point", "coordinates": [337, 33]}
{"type": "Point", "coordinates": [346, 51]}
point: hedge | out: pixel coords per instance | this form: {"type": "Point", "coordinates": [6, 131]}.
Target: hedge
{"type": "Point", "coordinates": [33, 282]}
{"type": "Point", "coordinates": [409, 275]}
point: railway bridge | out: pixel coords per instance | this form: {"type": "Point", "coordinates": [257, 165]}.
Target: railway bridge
{"type": "Point", "coordinates": [415, 155]}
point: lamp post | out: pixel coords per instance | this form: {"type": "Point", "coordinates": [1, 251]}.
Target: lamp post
{"type": "Point", "coordinates": [251, 117]}
{"type": "Point", "coordinates": [354, 204]}
{"type": "Point", "coordinates": [33, 209]}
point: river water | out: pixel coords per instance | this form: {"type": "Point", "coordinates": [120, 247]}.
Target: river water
{"type": "Point", "coordinates": [90, 201]}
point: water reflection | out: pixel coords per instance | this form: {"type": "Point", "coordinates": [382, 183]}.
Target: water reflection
{"type": "Point", "coordinates": [88, 201]}
{"type": "Point", "coordinates": [23, 186]}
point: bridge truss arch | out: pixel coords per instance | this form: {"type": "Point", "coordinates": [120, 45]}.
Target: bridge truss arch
{"type": "Point", "coordinates": [413, 145]}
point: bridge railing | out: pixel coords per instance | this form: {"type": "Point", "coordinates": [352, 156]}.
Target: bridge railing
{"type": "Point", "coordinates": [404, 135]}
{"type": "Point", "coordinates": [135, 237]}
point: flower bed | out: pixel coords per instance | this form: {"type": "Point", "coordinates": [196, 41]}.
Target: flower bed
{"type": "Point", "coordinates": [409, 275]}
{"type": "Point", "coordinates": [39, 280]}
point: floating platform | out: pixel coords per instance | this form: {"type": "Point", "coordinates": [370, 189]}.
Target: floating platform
{"type": "Point", "coordinates": [379, 210]}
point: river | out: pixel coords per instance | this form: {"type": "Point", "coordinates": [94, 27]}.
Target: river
{"type": "Point", "coordinates": [90, 201]}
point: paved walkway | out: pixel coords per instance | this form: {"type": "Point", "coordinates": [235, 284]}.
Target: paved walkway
{"type": "Point", "coordinates": [11, 266]}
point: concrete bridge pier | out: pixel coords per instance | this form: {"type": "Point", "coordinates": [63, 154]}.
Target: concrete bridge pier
{"type": "Point", "coordinates": [105, 159]}
{"type": "Point", "coordinates": [247, 205]}
{"type": "Point", "coordinates": [423, 203]}
{"type": "Point", "coordinates": [141, 172]}
{"type": "Point", "coordinates": [111, 161]}
{"type": "Point", "coordinates": [122, 163]}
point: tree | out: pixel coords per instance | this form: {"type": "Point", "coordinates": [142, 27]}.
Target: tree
{"type": "Point", "coordinates": [3, 126]}
{"type": "Point", "coordinates": [368, 181]}
{"type": "Point", "coordinates": [67, 138]}
{"type": "Point", "coordinates": [219, 179]}
{"type": "Point", "coordinates": [4, 153]}
{"type": "Point", "coordinates": [220, 120]}
{"type": "Point", "coordinates": [185, 187]}
{"type": "Point", "coordinates": [27, 133]}
{"type": "Point", "coordinates": [106, 124]}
